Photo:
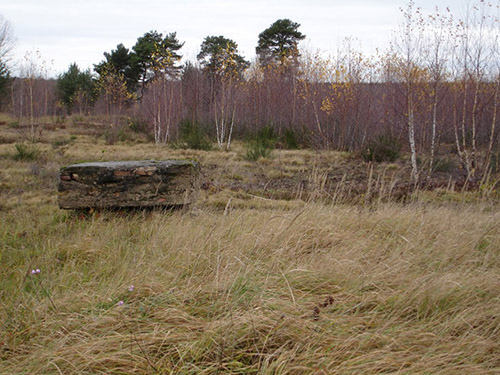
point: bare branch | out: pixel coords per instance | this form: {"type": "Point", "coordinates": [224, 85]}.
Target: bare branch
{"type": "Point", "coordinates": [7, 39]}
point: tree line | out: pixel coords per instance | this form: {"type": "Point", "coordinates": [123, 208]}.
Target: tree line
{"type": "Point", "coordinates": [435, 88]}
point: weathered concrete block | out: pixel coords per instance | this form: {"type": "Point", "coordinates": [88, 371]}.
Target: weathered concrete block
{"type": "Point", "coordinates": [145, 183]}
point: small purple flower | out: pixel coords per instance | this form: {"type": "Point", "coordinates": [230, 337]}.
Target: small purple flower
{"type": "Point", "coordinates": [131, 288]}
{"type": "Point", "coordinates": [38, 270]}
{"type": "Point", "coordinates": [33, 272]}
{"type": "Point", "coordinates": [120, 303]}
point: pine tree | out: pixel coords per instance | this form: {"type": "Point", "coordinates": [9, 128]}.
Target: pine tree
{"type": "Point", "coordinates": [279, 43]}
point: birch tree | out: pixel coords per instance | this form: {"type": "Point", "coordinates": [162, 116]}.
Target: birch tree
{"type": "Point", "coordinates": [476, 47]}
{"type": "Point", "coordinates": [224, 67]}
{"type": "Point", "coordinates": [408, 52]}
{"type": "Point", "coordinates": [34, 95]}
{"type": "Point", "coordinates": [437, 49]}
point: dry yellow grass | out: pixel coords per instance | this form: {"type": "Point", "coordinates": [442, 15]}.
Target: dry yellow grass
{"type": "Point", "coordinates": [330, 289]}
{"type": "Point", "coordinates": [243, 284]}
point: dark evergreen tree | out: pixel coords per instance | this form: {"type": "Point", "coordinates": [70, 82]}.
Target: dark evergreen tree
{"type": "Point", "coordinates": [123, 62]}
{"type": "Point", "coordinates": [155, 54]}
{"type": "Point", "coordinates": [279, 43]}
{"type": "Point", "coordinates": [219, 56]}
{"type": "Point", "coordinates": [75, 87]}
{"type": "Point", "coordinates": [5, 81]}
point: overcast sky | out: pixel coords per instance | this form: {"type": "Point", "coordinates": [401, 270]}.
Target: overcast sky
{"type": "Point", "coordinates": [66, 31]}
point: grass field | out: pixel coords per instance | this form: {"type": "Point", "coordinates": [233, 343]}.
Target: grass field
{"type": "Point", "coordinates": [303, 263]}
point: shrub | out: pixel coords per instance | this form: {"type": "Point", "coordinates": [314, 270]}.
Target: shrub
{"type": "Point", "coordinates": [193, 136]}
{"type": "Point", "coordinates": [138, 125]}
{"type": "Point", "coordinates": [256, 150]}
{"type": "Point", "coordinates": [266, 137]}
{"type": "Point", "coordinates": [495, 162]}
{"type": "Point", "coordinates": [60, 119]}
{"type": "Point", "coordinates": [110, 135]}
{"type": "Point", "coordinates": [118, 133]}
{"type": "Point", "coordinates": [290, 140]}
{"type": "Point", "coordinates": [261, 144]}
{"type": "Point", "coordinates": [63, 141]}
{"type": "Point", "coordinates": [78, 120]}
{"type": "Point", "coordinates": [26, 151]}
{"type": "Point", "coordinates": [124, 136]}
{"type": "Point", "coordinates": [444, 164]}
{"type": "Point", "coordinates": [384, 147]}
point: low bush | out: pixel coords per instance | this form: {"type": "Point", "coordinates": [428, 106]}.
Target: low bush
{"type": "Point", "coordinates": [79, 120]}
{"type": "Point", "coordinates": [63, 141]}
{"type": "Point", "coordinates": [495, 162]}
{"type": "Point", "coordinates": [290, 140]}
{"type": "Point", "coordinates": [193, 136]}
{"type": "Point", "coordinates": [261, 144]}
{"type": "Point", "coordinates": [266, 137]}
{"type": "Point", "coordinates": [256, 150]}
{"type": "Point", "coordinates": [444, 164]}
{"type": "Point", "coordinates": [118, 133]}
{"type": "Point", "coordinates": [137, 125]}
{"type": "Point", "coordinates": [26, 151]}
{"type": "Point", "coordinates": [384, 147]}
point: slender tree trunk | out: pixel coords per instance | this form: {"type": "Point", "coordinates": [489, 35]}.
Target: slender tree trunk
{"type": "Point", "coordinates": [411, 137]}
{"type": "Point", "coordinates": [456, 130]}
{"type": "Point", "coordinates": [492, 129]}
{"type": "Point", "coordinates": [32, 111]}
{"type": "Point", "coordinates": [411, 131]}
{"type": "Point", "coordinates": [465, 154]}
{"type": "Point", "coordinates": [231, 129]}
{"type": "Point", "coordinates": [474, 129]}
{"type": "Point", "coordinates": [318, 124]}
{"type": "Point", "coordinates": [434, 126]}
